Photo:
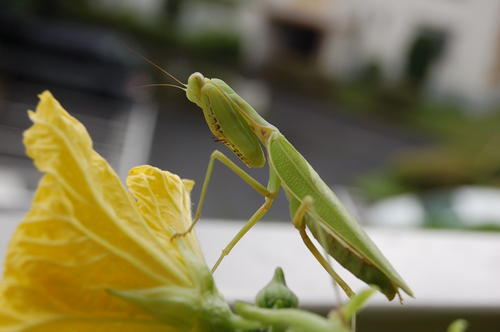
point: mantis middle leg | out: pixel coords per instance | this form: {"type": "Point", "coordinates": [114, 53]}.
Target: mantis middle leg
{"type": "Point", "coordinates": [273, 188]}
{"type": "Point", "coordinates": [217, 155]}
{"type": "Point", "coordinates": [270, 192]}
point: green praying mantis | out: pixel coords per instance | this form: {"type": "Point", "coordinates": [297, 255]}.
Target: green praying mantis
{"type": "Point", "coordinates": [312, 203]}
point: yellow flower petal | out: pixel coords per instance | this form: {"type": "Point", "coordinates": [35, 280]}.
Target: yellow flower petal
{"type": "Point", "coordinates": [85, 234]}
{"type": "Point", "coordinates": [164, 201]}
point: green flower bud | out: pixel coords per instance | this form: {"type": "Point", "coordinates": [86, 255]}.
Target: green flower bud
{"type": "Point", "coordinates": [459, 325]}
{"type": "Point", "coordinates": [276, 294]}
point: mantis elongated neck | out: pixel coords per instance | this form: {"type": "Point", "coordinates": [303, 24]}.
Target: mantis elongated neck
{"type": "Point", "coordinates": [263, 131]}
{"type": "Point", "coordinates": [255, 121]}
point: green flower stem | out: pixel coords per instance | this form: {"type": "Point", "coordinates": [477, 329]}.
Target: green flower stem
{"type": "Point", "coordinates": [296, 319]}
{"type": "Point", "coordinates": [357, 302]}
{"type": "Point", "coordinates": [240, 323]}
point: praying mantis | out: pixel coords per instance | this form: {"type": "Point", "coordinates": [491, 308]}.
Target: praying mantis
{"type": "Point", "coordinates": [312, 203]}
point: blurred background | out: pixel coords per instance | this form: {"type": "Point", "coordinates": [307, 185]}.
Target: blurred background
{"type": "Point", "coordinates": [395, 104]}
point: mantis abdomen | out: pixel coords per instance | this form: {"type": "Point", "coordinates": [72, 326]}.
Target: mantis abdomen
{"type": "Point", "coordinates": [330, 223]}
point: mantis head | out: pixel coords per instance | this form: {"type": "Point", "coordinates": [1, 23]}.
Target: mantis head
{"type": "Point", "coordinates": [196, 81]}
{"type": "Point", "coordinates": [224, 118]}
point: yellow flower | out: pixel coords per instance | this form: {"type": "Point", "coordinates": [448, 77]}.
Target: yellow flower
{"type": "Point", "coordinates": [92, 256]}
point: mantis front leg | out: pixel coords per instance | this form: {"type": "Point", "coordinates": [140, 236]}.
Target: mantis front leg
{"type": "Point", "coordinates": [300, 223]}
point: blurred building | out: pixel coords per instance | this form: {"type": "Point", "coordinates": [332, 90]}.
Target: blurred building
{"type": "Point", "coordinates": [450, 48]}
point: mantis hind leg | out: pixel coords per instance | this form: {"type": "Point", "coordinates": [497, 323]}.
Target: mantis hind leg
{"type": "Point", "coordinates": [217, 155]}
{"type": "Point", "coordinates": [299, 221]}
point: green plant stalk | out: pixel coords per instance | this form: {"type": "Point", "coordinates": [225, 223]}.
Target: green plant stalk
{"type": "Point", "coordinates": [296, 319]}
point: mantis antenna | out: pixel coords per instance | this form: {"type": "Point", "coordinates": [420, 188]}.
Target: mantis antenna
{"type": "Point", "coordinates": [151, 62]}
{"type": "Point", "coordinates": [162, 84]}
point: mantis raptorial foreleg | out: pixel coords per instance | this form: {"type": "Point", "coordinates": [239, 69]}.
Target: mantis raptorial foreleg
{"type": "Point", "coordinates": [300, 224]}
{"type": "Point", "coordinates": [217, 155]}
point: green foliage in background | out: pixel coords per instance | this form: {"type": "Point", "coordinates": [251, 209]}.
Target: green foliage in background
{"type": "Point", "coordinates": [464, 151]}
